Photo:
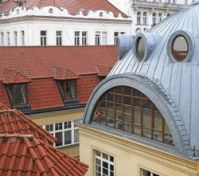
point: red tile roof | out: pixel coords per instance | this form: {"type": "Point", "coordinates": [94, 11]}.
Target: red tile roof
{"type": "Point", "coordinates": [14, 122]}
{"type": "Point", "coordinates": [73, 6]}
{"type": "Point", "coordinates": [10, 76]}
{"type": "Point", "coordinates": [22, 155]}
{"type": "Point", "coordinates": [64, 73]}
{"type": "Point", "coordinates": [38, 65]}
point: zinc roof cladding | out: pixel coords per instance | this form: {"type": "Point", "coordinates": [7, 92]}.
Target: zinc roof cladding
{"type": "Point", "coordinates": [73, 6]}
{"type": "Point", "coordinates": [178, 79]}
{"type": "Point", "coordinates": [13, 121]}
{"type": "Point", "coordinates": [26, 155]}
{"type": "Point", "coordinates": [39, 62]}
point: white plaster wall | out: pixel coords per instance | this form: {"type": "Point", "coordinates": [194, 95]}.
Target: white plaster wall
{"type": "Point", "coordinates": [32, 30]}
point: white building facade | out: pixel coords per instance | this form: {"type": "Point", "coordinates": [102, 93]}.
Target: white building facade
{"type": "Point", "coordinates": [147, 13]}
{"type": "Point", "coordinates": [51, 25]}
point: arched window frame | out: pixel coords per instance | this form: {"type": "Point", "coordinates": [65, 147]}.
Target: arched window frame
{"type": "Point", "coordinates": [126, 109]}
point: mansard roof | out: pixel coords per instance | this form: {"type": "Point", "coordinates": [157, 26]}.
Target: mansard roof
{"type": "Point", "coordinates": [44, 65]}
{"type": "Point", "coordinates": [172, 85]}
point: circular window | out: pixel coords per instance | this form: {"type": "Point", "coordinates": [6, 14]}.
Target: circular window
{"type": "Point", "coordinates": [179, 48]}
{"type": "Point", "coordinates": [140, 48]}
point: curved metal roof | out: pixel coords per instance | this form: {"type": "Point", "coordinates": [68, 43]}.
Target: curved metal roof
{"type": "Point", "coordinates": [178, 80]}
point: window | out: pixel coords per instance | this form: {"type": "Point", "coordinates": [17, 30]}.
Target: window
{"type": "Point", "coordinates": [2, 39]}
{"type": "Point", "coordinates": [66, 133]}
{"type": "Point", "coordinates": [147, 173]}
{"type": "Point", "coordinates": [180, 48]}
{"type": "Point", "coordinates": [59, 38]}
{"type": "Point", "coordinates": [77, 38]}
{"type": "Point", "coordinates": [43, 38]}
{"type": "Point", "coordinates": [84, 38]}
{"type": "Point", "coordinates": [15, 38]}
{"type": "Point", "coordinates": [144, 18]}
{"type": "Point", "coordinates": [104, 38]}
{"type": "Point", "coordinates": [138, 18]}
{"type": "Point", "coordinates": [18, 95]}
{"type": "Point", "coordinates": [140, 48]}
{"type": "Point", "coordinates": [104, 164]}
{"type": "Point", "coordinates": [97, 38]}
{"type": "Point", "coordinates": [68, 90]}
{"type": "Point", "coordinates": [22, 38]}
{"type": "Point", "coordinates": [8, 38]}
{"type": "Point", "coordinates": [116, 38]}
{"type": "Point", "coordinates": [129, 110]}
{"type": "Point", "coordinates": [153, 19]}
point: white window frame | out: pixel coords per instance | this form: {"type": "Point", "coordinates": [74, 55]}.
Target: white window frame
{"type": "Point", "coordinates": [77, 38]}
{"type": "Point", "coordinates": [8, 38]}
{"type": "Point", "coordinates": [84, 38]}
{"type": "Point", "coordinates": [97, 38]}
{"type": "Point", "coordinates": [15, 38]}
{"type": "Point", "coordinates": [151, 173]}
{"type": "Point", "coordinates": [59, 38]}
{"type": "Point", "coordinates": [104, 38]}
{"type": "Point", "coordinates": [54, 131]}
{"type": "Point", "coordinates": [43, 38]}
{"type": "Point", "coordinates": [22, 38]}
{"type": "Point", "coordinates": [102, 159]}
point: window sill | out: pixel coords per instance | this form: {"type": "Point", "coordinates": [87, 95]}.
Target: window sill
{"type": "Point", "coordinates": [66, 146]}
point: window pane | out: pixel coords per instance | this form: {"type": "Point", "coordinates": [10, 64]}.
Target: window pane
{"type": "Point", "coordinates": [67, 139]}
{"type": "Point", "coordinates": [76, 135]}
{"type": "Point", "coordinates": [59, 141]}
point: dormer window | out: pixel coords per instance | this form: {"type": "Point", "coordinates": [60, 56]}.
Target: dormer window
{"type": "Point", "coordinates": [68, 90]}
{"type": "Point", "coordinates": [18, 95]}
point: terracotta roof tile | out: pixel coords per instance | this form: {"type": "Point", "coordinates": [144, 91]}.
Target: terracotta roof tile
{"type": "Point", "coordinates": [85, 86]}
{"type": "Point", "coordinates": [39, 65]}
{"type": "Point", "coordinates": [39, 62]}
{"type": "Point", "coordinates": [11, 76]}
{"type": "Point", "coordinates": [64, 73]}
{"type": "Point", "coordinates": [44, 94]}
{"type": "Point", "coordinates": [14, 122]}
{"type": "Point", "coordinates": [26, 155]}
{"type": "Point", "coordinates": [73, 6]}
{"type": "Point", "coordinates": [103, 70]}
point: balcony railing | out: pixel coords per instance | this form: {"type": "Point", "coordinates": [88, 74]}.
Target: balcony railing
{"type": "Point", "coordinates": [158, 5]}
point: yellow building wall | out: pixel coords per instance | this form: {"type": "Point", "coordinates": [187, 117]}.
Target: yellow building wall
{"type": "Point", "coordinates": [60, 116]}
{"type": "Point", "coordinates": [130, 157]}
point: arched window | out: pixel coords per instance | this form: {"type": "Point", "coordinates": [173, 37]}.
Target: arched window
{"type": "Point", "coordinates": [145, 18]}
{"type": "Point", "coordinates": [129, 110]}
{"type": "Point", "coordinates": [138, 30]}
{"type": "Point", "coordinates": [154, 19]}
{"type": "Point", "coordinates": [138, 18]}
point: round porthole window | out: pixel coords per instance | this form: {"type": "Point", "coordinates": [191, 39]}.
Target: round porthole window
{"type": "Point", "coordinates": [140, 48]}
{"type": "Point", "coordinates": [144, 44]}
{"type": "Point", "coordinates": [180, 46]}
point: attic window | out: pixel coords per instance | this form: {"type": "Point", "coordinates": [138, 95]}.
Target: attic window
{"type": "Point", "coordinates": [179, 48]}
{"type": "Point", "coordinates": [18, 95]}
{"type": "Point", "coordinates": [68, 90]}
{"type": "Point", "coordinates": [127, 109]}
{"type": "Point", "coordinates": [140, 48]}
